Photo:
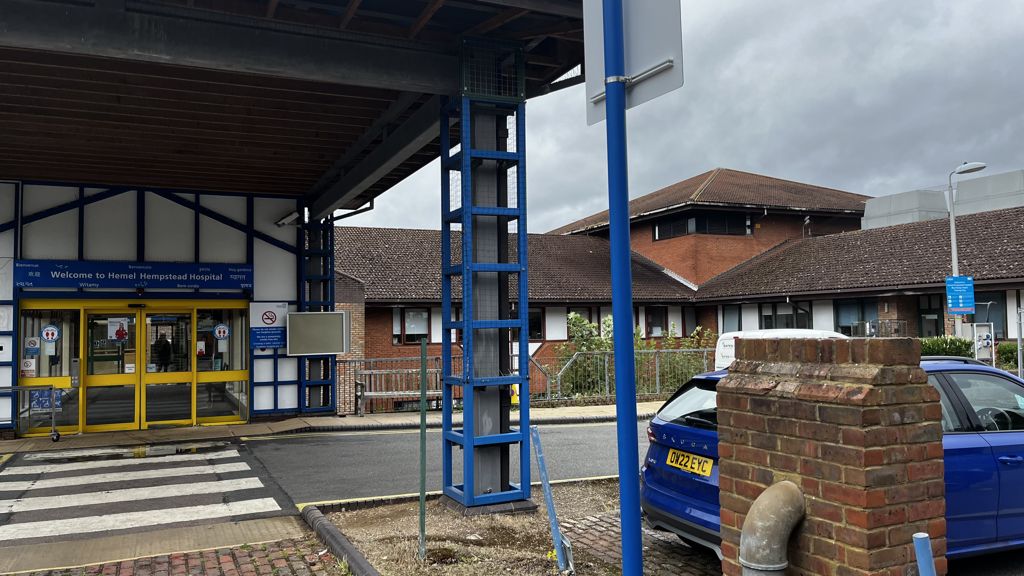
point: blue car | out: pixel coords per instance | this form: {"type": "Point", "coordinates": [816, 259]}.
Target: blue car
{"type": "Point", "coordinates": [983, 439]}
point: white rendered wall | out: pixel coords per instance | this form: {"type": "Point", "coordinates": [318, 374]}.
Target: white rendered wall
{"type": "Point", "coordinates": [675, 319]}
{"type": "Point", "coordinates": [641, 321]}
{"type": "Point", "coordinates": [274, 273]}
{"type": "Point", "coordinates": [221, 243]}
{"type": "Point", "coordinates": [267, 211]}
{"type": "Point", "coordinates": [555, 323]}
{"type": "Point", "coordinates": [823, 317]}
{"type": "Point", "coordinates": [110, 228]}
{"type": "Point", "coordinates": [54, 238]}
{"type": "Point", "coordinates": [7, 193]}
{"type": "Point", "coordinates": [605, 312]}
{"type": "Point", "coordinates": [748, 317]}
{"type": "Point", "coordinates": [170, 230]}
{"type": "Point", "coordinates": [1011, 313]}
{"type": "Point", "coordinates": [435, 326]}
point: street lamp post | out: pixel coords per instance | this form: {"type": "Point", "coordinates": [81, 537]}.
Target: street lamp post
{"type": "Point", "coordinates": [965, 168]}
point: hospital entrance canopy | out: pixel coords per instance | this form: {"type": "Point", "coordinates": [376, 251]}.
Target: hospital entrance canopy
{"type": "Point", "coordinates": [332, 100]}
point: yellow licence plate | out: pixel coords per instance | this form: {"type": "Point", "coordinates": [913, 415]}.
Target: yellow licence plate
{"type": "Point", "coordinates": [690, 462]}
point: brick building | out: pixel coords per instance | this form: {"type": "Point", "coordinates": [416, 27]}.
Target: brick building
{"type": "Point", "coordinates": [705, 225]}
{"type": "Point", "coordinates": [390, 279]}
{"type": "Point", "coordinates": [882, 281]}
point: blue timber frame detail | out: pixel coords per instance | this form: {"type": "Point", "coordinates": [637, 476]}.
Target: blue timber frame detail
{"type": "Point", "coordinates": [194, 205]}
{"type": "Point", "coordinates": [461, 108]}
{"type": "Point", "coordinates": [13, 363]}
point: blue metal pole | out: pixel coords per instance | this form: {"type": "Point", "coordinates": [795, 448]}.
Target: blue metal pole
{"type": "Point", "coordinates": [622, 289]}
{"type": "Point", "coordinates": [549, 501]}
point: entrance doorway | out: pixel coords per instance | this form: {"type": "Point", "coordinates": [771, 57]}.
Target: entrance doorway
{"type": "Point", "coordinates": [138, 369]}
{"type": "Point", "coordinates": [138, 365]}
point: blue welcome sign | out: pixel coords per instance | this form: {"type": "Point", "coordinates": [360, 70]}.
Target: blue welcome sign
{"type": "Point", "coordinates": [75, 274]}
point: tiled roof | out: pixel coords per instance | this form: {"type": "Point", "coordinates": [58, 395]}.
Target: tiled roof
{"type": "Point", "coordinates": [725, 187]}
{"type": "Point", "coordinates": [400, 265]}
{"type": "Point", "coordinates": [991, 248]}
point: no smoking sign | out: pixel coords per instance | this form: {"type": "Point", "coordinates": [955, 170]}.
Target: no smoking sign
{"type": "Point", "coordinates": [267, 324]}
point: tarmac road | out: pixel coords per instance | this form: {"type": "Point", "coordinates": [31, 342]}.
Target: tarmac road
{"type": "Point", "coordinates": [340, 466]}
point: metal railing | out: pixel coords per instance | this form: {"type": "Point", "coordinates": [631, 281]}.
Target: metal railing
{"type": "Point", "coordinates": [389, 384]}
{"type": "Point", "coordinates": [393, 384]}
{"type": "Point", "coordinates": [592, 374]}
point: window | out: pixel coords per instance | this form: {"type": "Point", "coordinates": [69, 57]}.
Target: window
{"type": "Point", "coordinates": [997, 401]}
{"type": "Point", "coordinates": [411, 326]}
{"type": "Point", "coordinates": [929, 308]}
{"type": "Point", "coordinates": [950, 421]}
{"type": "Point", "coordinates": [535, 319]}
{"type": "Point", "coordinates": [725, 223]}
{"type": "Point", "coordinates": [582, 311]}
{"type": "Point", "coordinates": [693, 405]}
{"type": "Point", "coordinates": [657, 321]}
{"type": "Point", "coordinates": [990, 307]}
{"type": "Point", "coordinates": [731, 318]}
{"type": "Point", "coordinates": [784, 315]}
{"type": "Point", "coordinates": [222, 351]}
{"type": "Point", "coordinates": [536, 323]}
{"type": "Point", "coordinates": [853, 312]}
{"type": "Point", "coordinates": [56, 352]}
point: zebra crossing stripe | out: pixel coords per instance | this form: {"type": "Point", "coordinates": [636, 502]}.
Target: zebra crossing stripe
{"type": "Point", "coordinates": [128, 520]}
{"type": "Point", "coordinates": [93, 464]}
{"type": "Point", "coordinates": [122, 476]}
{"type": "Point", "coordinates": [123, 451]}
{"type": "Point", "coordinates": [127, 495]}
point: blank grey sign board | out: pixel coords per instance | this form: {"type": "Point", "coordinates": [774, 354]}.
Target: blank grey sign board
{"type": "Point", "coordinates": [317, 333]}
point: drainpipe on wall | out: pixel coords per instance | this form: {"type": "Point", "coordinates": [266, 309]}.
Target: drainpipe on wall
{"type": "Point", "coordinates": [767, 528]}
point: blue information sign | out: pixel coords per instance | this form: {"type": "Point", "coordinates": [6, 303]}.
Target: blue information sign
{"type": "Point", "coordinates": [960, 294]}
{"type": "Point", "coordinates": [271, 337]}
{"type": "Point", "coordinates": [74, 274]}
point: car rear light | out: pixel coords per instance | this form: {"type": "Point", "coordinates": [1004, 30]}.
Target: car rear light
{"type": "Point", "coordinates": [650, 435]}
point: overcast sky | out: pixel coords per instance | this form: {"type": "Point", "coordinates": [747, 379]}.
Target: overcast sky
{"type": "Point", "coordinates": [874, 97]}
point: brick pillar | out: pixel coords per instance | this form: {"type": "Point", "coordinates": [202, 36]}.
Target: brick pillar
{"type": "Point", "coordinates": [856, 425]}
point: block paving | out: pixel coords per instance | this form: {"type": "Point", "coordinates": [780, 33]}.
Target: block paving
{"type": "Point", "coordinates": [284, 558]}
{"type": "Point", "coordinates": [664, 553]}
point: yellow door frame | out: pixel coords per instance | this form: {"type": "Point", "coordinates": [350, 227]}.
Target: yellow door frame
{"type": "Point", "coordinates": [87, 380]}
{"type": "Point", "coordinates": [140, 309]}
{"type": "Point", "coordinates": [157, 378]}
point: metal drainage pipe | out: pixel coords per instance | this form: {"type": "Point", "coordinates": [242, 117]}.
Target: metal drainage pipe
{"type": "Point", "coordinates": [767, 527]}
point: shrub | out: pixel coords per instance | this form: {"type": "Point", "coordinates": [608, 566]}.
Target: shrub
{"type": "Point", "coordinates": [947, 346]}
{"type": "Point", "coordinates": [1006, 355]}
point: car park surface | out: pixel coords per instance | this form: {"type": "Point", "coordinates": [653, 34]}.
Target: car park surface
{"type": "Point", "coordinates": [983, 442]}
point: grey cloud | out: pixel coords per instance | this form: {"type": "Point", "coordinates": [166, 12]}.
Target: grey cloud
{"type": "Point", "coordinates": [869, 96]}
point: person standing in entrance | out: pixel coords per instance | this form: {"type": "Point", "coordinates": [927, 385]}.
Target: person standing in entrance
{"type": "Point", "coordinates": [163, 353]}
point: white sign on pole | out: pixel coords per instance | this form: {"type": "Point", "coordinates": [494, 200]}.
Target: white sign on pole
{"type": "Point", "coordinates": [653, 34]}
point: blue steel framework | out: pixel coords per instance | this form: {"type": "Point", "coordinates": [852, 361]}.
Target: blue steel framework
{"type": "Point", "coordinates": [317, 374]}
{"type": "Point", "coordinates": [461, 109]}
{"type": "Point", "coordinates": [303, 382]}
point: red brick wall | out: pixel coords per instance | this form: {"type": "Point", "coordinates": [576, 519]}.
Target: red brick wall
{"type": "Point", "coordinates": [854, 424]}
{"type": "Point", "coordinates": [707, 317]}
{"type": "Point", "coordinates": [700, 257]}
{"type": "Point", "coordinates": [901, 308]}
{"type": "Point", "coordinates": [345, 396]}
